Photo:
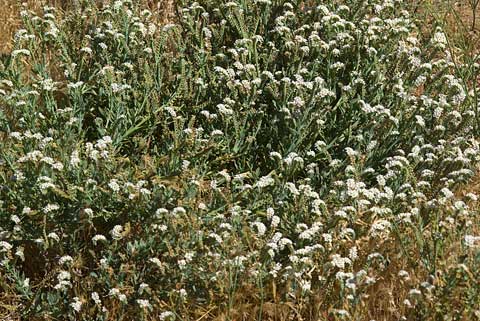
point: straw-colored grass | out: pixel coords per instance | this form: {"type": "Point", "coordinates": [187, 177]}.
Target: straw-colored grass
{"type": "Point", "coordinates": [383, 306]}
{"type": "Point", "coordinates": [10, 18]}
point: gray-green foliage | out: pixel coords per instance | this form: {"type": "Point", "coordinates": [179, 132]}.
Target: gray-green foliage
{"type": "Point", "coordinates": [302, 143]}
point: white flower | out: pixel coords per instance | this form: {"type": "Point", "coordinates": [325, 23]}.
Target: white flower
{"type": "Point", "coordinates": [16, 135]}
{"type": "Point", "coordinates": [380, 228]}
{"type": "Point", "coordinates": [96, 298]}
{"type": "Point", "coordinates": [74, 159]}
{"type": "Point", "coordinates": [65, 259]}
{"type": "Point", "coordinates": [472, 197]}
{"type": "Point", "coordinates": [119, 87]}
{"type": "Point", "coordinates": [420, 120]}
{"type": "Point", "coordinates": [403, 274]}
{"type": "Point", "coordinates": [26, 283]}
{"type": "Point", "coordinates": [5, 246]}
{"type": "Point", "coordinates": [339, 261]}
{"type": "Point", "coordinates": [353, 253]}
{"type": "Point", "coordinates": [270, 212]}
{"type": "Point", "coordinates": [98, 238]}
{"type": "Point", "coordinates": [181, 263]}
{"type": "Point", "coordinates": [144, 304]}
{"type": "Point", "coordinates": [117, 232]}
{"type": "Point", "coordinates": [15, 219]}
{"type": "Point", "coordinates": [439, 39]}
{"type": "Point", "coordinates": [179, 211]}
{"type": "Point", "coordinates": [447, 193]}
{"type": "Point", "coordinates": [415, 292]}
{"type": "Point", "coordinates": [217, 132]}
{"type": "Point", "coordinates": [264, 182]}
{"type": "Point", "coordinates": [63, 278]}
{"type": "Point", "coordinates": [183, 293]}
{"type": "Point", "coordinates": [87, 50]}
{"type": "Point", "coordinates": [185, 165]}
{"type": "Point", "coordinates": [217, 237]}
{"type": "Point", "coordinates": [298, 102]}
{"type": "Point", "coordinates": [113, 184]}
{"type": "Point", "coordinates": [77, 304]}
{"type": "Point", "coordinates": [20, 253]}
{"type": "Point", "coordinates": [470, 240]}
{"type": "Point", "coordinates": [48, 84]}
{"type": "Point", "coordinates": [261, 228]}
{"type": "Point", "coordinates": [88, 211]}
{"type": "Point", "coordinates": [58, 166]}
{"type": "Point", "coordinates": [20, 52]}
{"type": "Point", "coordinates": [75, 85]}
{"type": "Point", "coordinates": [50, 208]}
{"type": "Point", "coordinates": [142, 287]}
{"type": "Point", "coordinates": [275, 221]}
{"type": "Point", "coordinates": [166, 315]}
{"type": "Point", "coordinates": [156, 261]}
{"type": "Point", "coordinates": [114, 292]}
{"type": "Point", "coordinates": [63, 275]}
{"type": "Point", "coordinates": [342, 313]}
{"type": "Point", "coordinates": [305, 285]}
{"type": "Point", "coordinates": [54, 236]}
{"type": "Point", "coordinates": [26, 210]}
{"type": "Point", "coordinates": [224, 110]}
{"type": "Point", "coordinates": [350, 152]}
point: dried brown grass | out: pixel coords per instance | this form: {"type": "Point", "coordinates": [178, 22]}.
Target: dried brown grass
{"type": "Point", "coordinates": [10, 15]}
{"type": "Point", "coordinates": [385, 297]}
{"type": "Point", "coordinates": [9, 21]}
{"type": "Point", "coordinates": [10, 18]}
{"type": "Point", "coordinates": [455, 16]}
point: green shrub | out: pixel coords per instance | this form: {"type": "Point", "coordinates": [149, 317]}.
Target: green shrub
{"type": "Point", "coordinates": [259, 152]}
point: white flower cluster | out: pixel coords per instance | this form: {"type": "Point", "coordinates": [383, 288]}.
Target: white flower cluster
{"type": "Point", "coordinates": [319, 152]}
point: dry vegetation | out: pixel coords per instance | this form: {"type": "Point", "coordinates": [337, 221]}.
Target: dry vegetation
{"type": "Point", "coordinates": [10, 17]}
{"type": "Point", "coordinates": [457, 16]}
{"type": "Point", "coordinates": [386, 299]}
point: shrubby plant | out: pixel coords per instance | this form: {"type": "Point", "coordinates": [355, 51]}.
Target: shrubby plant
{"type": "Point", "coordinates": [296, 160]}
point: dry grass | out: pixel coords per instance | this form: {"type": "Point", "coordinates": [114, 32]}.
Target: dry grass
{"type": "Point", "coordinates": [10, 17]}
{"type": "Point", "coordinates": [8, 23]}
{"type": "Point", "coordinates": [455, 16]}
{"type": "Point", "coordinates": [459, 20]}
{"type": "Point", "coordinates": [388, 291]}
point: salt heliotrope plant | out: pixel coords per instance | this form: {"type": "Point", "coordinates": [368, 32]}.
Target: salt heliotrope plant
{"type": "Point", "coordinates": [252, 159]}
